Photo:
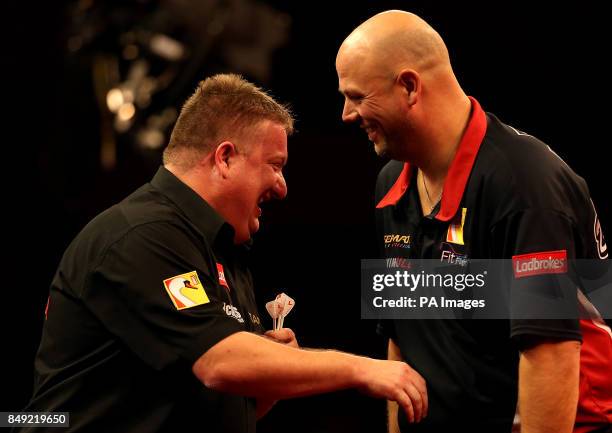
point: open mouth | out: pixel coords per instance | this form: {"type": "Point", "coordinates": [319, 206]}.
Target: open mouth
{"type": "Point", "coordinates": [371, 134]}
{"type": "Point", "coordinates": [259, 210]}
{"type": "Point", "coordinates": [371, 131]}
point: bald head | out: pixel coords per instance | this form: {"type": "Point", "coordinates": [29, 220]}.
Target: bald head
{"type": "Point", "coordinates": [398, 85]}
{"type": "Point", "coordinates": [394, 40]}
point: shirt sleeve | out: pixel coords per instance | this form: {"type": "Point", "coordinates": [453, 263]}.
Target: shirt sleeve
{"type": "Point", "coordinates": [154, 291]}
{"type": "Point", "coordinates": [543, 298]}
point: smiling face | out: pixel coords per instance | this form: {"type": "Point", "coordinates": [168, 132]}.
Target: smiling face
{"type": "Point", "coordinates": [255, 177]}
{"type": "Point", "coordinates": [374, 101]}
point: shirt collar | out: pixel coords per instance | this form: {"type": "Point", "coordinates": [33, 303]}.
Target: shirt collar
{"type": "Point", "coordinates": [194, 207]}
{"type": "Point", "coordinates": [458, 174]}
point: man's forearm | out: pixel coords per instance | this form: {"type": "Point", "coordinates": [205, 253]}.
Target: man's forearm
{"type": "Point", "coordinates": [251, 365]}
{"type": "Point", "coordinates": [248, 364]}
{"type": "Point", "coordinates": [548, 387]}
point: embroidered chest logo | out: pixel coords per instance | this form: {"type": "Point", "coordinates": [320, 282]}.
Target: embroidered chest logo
{"type": "Point", "coordinates": [186, 290]}
{"type": "Point", "coordinates": [454, 234]}
{"type": "Point", "coordinates": [254, 319]}
{"type": "Point", "coordinates": [451, 256]}
{"type": "Point", "coordinates": [233, 312]}
{"type": "Point", "coordinates": [397, 241]}
{"type": "Point", "coordinates": [222, 279]}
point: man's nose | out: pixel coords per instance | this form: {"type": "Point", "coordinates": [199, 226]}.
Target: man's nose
{"type": "Point", "coordinates": [280, 187]}
{"type": "Point", "coordinates": [349, 113]}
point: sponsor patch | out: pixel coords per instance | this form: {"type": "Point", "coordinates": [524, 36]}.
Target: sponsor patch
{"type": "Point", "coordinates": [398, 262]}
{"type": "Point", "coordinates": [254, 319]}
{"type": "Point", "coordinates": [233, 312]}
{"type": "Point", "coordinates": [186, 290]}
{"type": "Point", "coordinates": [452, 258]}
{"type": "Point", "coordinates": [546, 262]}
{"type": "Point", "coordinates": [397, 241]}
{"type": "Point", "coordinates": [455, 229]}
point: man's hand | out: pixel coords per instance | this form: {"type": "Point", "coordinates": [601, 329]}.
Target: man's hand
{"type": "Point", "coordinates": [393, 354]}
{"type": "Point", "coordinates": [392, 380]}
{"type": "Point", "coordinates": [395, 380]}
{"type": "Point", "coordinates": [284, 336]}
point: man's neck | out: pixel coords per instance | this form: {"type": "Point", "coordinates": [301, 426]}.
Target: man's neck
{"type": "Point", "coordinates": [442, 141]}
{"type": "Point", "coordinates": [194, 179]}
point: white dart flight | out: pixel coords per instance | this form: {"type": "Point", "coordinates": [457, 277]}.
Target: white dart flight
{"type": "Point", "coordinates": [286, 304]}
{"type": "Point", "coordinates": [274, 309]}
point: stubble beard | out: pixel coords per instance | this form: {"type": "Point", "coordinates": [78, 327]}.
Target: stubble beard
{"type": "Point", "coordinates": [381, 148]}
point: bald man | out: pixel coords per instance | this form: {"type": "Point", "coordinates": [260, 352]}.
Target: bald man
{"type": "Point", "coordinates": [463, 184]}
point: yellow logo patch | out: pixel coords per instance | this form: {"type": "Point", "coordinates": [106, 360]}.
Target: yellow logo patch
{"type": "Point", "coordinates": [186, 290]}
{"type": "Point", "coordinates": [455, 229]}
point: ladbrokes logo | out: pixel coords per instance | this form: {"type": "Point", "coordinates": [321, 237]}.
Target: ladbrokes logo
{"type": "Point", "coordinates": [397, 241]}
{"type": "Point", "coordinates": [547, 262]}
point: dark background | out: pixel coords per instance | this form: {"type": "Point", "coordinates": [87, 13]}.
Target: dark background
{"type": "Point", "coordinates": [540, 69]}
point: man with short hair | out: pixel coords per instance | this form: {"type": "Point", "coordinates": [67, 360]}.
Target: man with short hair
{"type": "Point", "coordinates": [463, 184]}
{"type": "Point", "coordinates": [152, 323]}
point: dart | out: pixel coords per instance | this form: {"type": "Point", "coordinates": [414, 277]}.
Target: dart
{"type": "Point", "coordinates": [286, 304]}
{"type": "Point", "coordinates": [274, 309]}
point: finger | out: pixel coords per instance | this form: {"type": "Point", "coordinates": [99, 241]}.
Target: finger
{"type": "Point", "coordinates": [421, 385]}
{"type": "Point", "coordinates": [272, 336]}
{"type": "Point", "coordinates": [417, 401]}
{"type": "Point", "coordinates": [290, 335]}
{"type": "Point", "coordinates": [406, 404]}
{"type": "Point", "coordinates": [284, 336]}
{"type": "Point", "coordinates": [419, 382]}
{"type": "Point", "coordinates": [276, 333]}
{"type": "Point", "coordinates": [425, 403]}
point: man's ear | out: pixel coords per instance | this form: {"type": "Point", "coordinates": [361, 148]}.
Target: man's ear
{"type": "Point", "coordinates": [410, 80]}
{"type": "Point", "coordinates": [223, 156]}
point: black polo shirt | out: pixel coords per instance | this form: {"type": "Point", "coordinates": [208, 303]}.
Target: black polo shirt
{"type": "Point", "coordinates": [507, 195]}
{"type": "Point", "coordinates": [142, 292]}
